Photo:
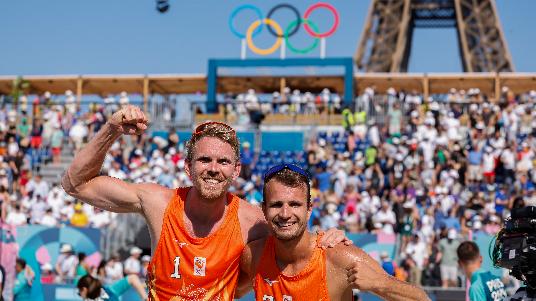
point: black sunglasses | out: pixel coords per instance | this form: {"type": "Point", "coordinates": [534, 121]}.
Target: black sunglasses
{"type": "Point", "coordinates": [280, 167]}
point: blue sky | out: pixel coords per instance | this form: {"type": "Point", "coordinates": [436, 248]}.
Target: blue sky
{"type": "Point", "coordinates": [131, 37]}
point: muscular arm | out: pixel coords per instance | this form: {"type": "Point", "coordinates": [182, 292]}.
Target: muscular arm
{"type": "Point", "coordinates": [248, 263]}
{"type": "Point", "coordinates": [82, 178]}
{"type": "Point", "coordinates": [355, 269]}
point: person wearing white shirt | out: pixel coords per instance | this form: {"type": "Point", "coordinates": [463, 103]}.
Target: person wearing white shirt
{"type": "Point", "coordinates": [416, 249]}
{"type": "Point", "coordinates": [16, 217]}
{"type": "Point", "coordinates": [38, 186]}
{"type": "Point", "coordinates": [132, 264]}
{"type": "Point", "coordinates": [100, 218]}
{"type": "Point", "coordinates": [116, 172]}
{"type": "Point", "coordinates": [66, 263]}
{"type": "Point", "coordinates": [387, 218]}
{"type": "Point", "coordinates": [113, 269]}
{"type": "Point", "coordinates": [55, 200]}
{"type": "Point", "coordinates": [48, 219]}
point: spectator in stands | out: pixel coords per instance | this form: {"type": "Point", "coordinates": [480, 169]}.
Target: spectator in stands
{"type": "Point", "coordinates": [38, 187]}
{"type": "Point", "coordinates": [16, 217]}
{"type": "Point", "coordinates": [113, 269]}
{"type": "Point", "coordinates": [145, 260]}
{"type": "Point", "coordinates": [66, 264]}
{"type": "Point", "coordinates": [246, 159]}
{"type": "Point", "coordinates": [79, 218]}
{"type": "Point", "coordinates": [47, 275]}
{"type": "Point", "coordinates": [448, 259]}
{"type": "Point", "coordinates": [56, 142]}
{"type": "Point", "coordinates": [416, 250]}
{"type": "Point", "coordinates": [132, 263]}
{"type": "Point", "coordinates": [387, 263]}
{"type": "Point", "coordinates": [100, 218]}
{"type": "Point", "coordinates": [22, 290]}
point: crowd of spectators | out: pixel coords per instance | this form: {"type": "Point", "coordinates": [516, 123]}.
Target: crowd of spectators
{"type": "Point", "coordinates": [431, 170]}
{"type": "Point", "coordinates": [252, 107]}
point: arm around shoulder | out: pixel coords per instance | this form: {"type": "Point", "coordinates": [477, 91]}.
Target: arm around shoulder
{"type": "Point", "coordinates": [366, 274]}
{"type": "Point", "coordinates": [248, 266]}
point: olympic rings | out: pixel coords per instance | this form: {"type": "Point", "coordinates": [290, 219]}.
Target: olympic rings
{"type": "Point", "coordinates": [275, 29]}
{"type": "Point", "coordinates": [274, 47]}
{"type": "Point", "coordinates": [239, 9]}
{"type": "Point", "coordinates": [294, 10]}
{"type": "Point", "coordinates": [304, 50]}
{"type": "Point", "coordinates": [335, 15]}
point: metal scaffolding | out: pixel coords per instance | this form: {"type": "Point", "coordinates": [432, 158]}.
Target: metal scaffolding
{"type": "Point", "coordinates": [385, 43]}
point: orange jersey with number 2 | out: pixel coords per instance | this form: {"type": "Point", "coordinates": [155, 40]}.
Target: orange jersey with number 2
{"type": "Point", "coordinates": [309, 284]}
{"type": "Point", "coordinates": [195, 269]}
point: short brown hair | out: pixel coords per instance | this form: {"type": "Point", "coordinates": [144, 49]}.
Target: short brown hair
{"type": "Point", "coordinates": [288, 178]}
{"type": "Point", "coordinates": [468, 251]}
{"type": "Point", "coordinates": [218, 130]}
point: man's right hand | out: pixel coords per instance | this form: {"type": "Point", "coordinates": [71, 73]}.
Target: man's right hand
{"type": "Point", "coordinates": [130, 120]}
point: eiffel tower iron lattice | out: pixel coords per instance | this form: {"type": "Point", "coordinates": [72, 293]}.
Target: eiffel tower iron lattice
{"type": "Point", "coordinates": [385, 43]}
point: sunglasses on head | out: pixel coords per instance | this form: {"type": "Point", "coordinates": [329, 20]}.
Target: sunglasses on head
{"type": "Point", "coordinates": [205, 125]}
{"type": "Point", "coordinates": [272, 171]}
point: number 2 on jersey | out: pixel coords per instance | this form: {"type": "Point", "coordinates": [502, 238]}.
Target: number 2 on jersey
{"type": "Point", "coordinates": [176, 274]}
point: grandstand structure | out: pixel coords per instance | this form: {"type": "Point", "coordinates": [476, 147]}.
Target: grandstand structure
{"type": "Point", "coordinates": [426, 84]}
{"type": "Point", "coordinates": [385, 44]}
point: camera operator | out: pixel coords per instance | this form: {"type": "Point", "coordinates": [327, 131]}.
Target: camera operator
{"type": "Point", "coordinates": [484, 285]}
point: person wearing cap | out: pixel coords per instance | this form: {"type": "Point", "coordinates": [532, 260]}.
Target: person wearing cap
{"type": "Point", "coordinates": [387, 264]}
{"type": "Point", "coordinates": [290, 264]}
{"type": "Point", "coordinates": [447, 259]}
{"type": "Point", "coordinates": [79, 218]}
{"type": "Point", "coordinates": [145, 260]}
{"type": "Point", "coordinates": [47, 275]}
{"type": "Point", "coordinates": [132, 263]}
{"type": "Point", "coordinates": [484, 284]}
{"type": "Point", "coordinates": [190, 225]}
{"type": "Point", "coordinates": [66, 264]}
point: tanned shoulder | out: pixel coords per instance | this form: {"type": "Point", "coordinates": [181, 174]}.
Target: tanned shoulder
{"type": "Point", "coordinates": [252, 222]}
{"type": "Point", "coordinates": [152, 195]}
{"type": "Point", "coordinates": [343, 256]}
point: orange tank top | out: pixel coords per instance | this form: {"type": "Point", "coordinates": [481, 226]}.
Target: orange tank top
{"type": "Point", "coordinates": [188, 268]}
{"type": "Point", "coordinates": [308, 285]}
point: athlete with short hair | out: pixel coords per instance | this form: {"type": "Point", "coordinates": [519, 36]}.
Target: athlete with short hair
{"type": "Point", "coordinates": [289, 265]}
{"type": "Point", "coordinates": [197, 233]}
{"type": "Point", "coordinates": [484, 285]}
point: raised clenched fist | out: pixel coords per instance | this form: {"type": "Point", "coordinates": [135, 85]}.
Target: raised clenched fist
{"type": "Point", "coordinates": [130, 120]}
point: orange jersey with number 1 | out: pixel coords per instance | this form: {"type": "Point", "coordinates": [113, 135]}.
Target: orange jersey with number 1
{"type": "Point", "coordinates": [309, 284]}
{"type": "Point", "coordinates": [188, 268]}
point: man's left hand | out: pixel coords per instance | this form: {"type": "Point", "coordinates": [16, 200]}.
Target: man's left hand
{"type": "Point", "coordinates": [332, 237]}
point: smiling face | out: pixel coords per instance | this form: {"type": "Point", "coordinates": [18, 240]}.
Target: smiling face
{"type": "Point", "coordinates": [213, 167]}
{"type": "Point", "coordinates": [286, 209]}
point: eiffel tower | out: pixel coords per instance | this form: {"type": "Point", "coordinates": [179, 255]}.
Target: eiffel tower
{"type": "Point", "coordinates": [385, 43]}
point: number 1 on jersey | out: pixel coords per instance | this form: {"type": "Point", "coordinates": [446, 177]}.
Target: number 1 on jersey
{"type": "Point", "coordinates": [176, 274]}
